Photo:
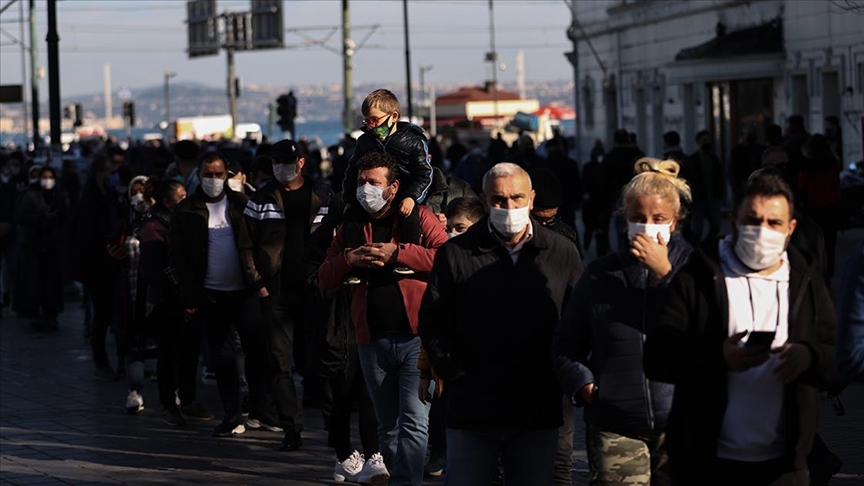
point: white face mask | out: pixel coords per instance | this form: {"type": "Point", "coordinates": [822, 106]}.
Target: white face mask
{"type": "Point", "coordinates": [47, 184]}
{"type": "Point", "coordinates": [509, 222]}
{"type": "Point", "coordinates": [371, 198]}
{"type": "Point", "coordinates": [759, 247]}
{"type": "Point", "coordinates": [235, 185]}
{"type": "Point", "coordinates": [650, 230]}
{"type": "Point", "coordinates": [136, 199]}
{"type": "Point", "coordinates": [453, 234]}
{"type": "Point", "coordinates": [285, 173]}
{"type": "Point", "coordinates": [212, 187]}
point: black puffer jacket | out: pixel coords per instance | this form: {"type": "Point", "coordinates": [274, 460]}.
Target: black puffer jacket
{"type": "Point", "coordinates": [408, 146]}
{"type": "Point", "coordinates": [600, 340]}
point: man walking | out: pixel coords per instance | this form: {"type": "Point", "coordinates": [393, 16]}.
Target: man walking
{"type": "Point", "coordinates": [384, 307]}
{"type": "Point", "coordinates": [747, 337]}
{"type": "Point", "coordinates": [206, 231]}
{"type": "Point", "coordinates": [494, 299]}
{"type": "Point", "coordinates": [280, 217]}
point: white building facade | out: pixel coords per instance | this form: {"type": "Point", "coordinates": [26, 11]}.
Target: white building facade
{"type": "Point", "coordinates": [727, 66]}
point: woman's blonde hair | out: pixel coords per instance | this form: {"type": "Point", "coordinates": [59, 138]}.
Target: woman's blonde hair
{"type": "Point", "coordinates": [659, 177]}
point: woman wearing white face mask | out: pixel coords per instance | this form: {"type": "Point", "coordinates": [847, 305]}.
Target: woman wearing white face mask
{"type": "Point", "coordinates": [42, 215]}
{"type": "Point", "coordinates": [598, 344]}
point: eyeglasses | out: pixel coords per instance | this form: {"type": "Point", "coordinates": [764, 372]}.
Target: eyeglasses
{"type": "Point", "coordinates": [374, 121]}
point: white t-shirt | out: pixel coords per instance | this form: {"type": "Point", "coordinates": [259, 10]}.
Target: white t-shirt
{"type": "Point", "coordinates": [223, 259]}
{"type": "Point", "coordinates": [754, 424]}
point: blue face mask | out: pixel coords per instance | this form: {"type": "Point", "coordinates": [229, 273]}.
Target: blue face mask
{"type": "Point", "coordinates": [113, 180]}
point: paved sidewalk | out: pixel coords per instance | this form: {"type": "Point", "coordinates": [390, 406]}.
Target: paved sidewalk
{"type": "Point", "coordinates": [59, 426]}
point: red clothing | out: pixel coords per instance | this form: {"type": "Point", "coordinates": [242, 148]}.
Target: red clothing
{"type": "Point", "coordinates": [419, 258]}
{"type": "Point", "coordinates": [821, 189]}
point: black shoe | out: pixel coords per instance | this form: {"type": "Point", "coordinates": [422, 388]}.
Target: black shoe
{"type": "Point", "coordinates": [195, 411]}
{"type": "Point", "coordinates": [105, 374]}
{"type": "Point", "coordinates": [229, 427]}
{"type": "Point", "coordinates": [291, 442]}
{"type": "Point", "coordinates": [172, 416]}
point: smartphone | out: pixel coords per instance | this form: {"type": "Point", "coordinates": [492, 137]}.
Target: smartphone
{"type": "Point", "coordinates": [760, 339]}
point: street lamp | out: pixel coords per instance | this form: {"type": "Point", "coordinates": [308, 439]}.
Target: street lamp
{"type": "Point", "coordinates": [168, 76]}
{"type": "Point", "coordinates": [423, 70]}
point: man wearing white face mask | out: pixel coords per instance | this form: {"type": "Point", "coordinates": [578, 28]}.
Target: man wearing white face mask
{"type": "Point", "coordinates": [495, 296]}
{"type": "Point", "coordinates": [207, 229]}
{"type": "Point", "coordinates": [384, 308]}
{"type": "Point", "coordinates": [747, 337]}
{"type": "Point", "coordinates": [280, 217]}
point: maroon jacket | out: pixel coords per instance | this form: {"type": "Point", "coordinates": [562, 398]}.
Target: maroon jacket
{"type": "Point", "coordinates": [419, 258]}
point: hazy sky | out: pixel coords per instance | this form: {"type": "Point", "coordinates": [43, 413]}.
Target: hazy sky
{"type": "Point", "coordinates": [140, 39]}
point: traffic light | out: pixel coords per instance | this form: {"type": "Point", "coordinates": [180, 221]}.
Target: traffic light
{"type": "Point", "coordinates": [129, 112]}
{"type": "Point", "coordinates": [287, 110]}
{"type": "Point", "coordinates": [79, 115]}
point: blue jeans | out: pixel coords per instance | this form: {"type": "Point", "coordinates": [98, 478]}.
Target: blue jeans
{"type": "Point", "coordinates": [528, 457]}
{"type": "Point", "coordinates": [390, 369]}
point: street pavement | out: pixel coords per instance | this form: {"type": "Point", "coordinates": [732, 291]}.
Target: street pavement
{"type": "Point", "coordinates": [60, 426]}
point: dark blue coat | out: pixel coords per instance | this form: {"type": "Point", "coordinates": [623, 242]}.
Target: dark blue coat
{"type": "Point", "coordinates": [600, 340]}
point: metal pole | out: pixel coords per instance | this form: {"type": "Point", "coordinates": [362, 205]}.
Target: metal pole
{"type": "Point", "coordinates": [232, 93]}
{"type": "Point", "coordinates": [23, 71]}
{"type": "Point", "coordinates": [271, 119]}
{"type": "Point", "coordinates": [494, 61]}
{"type": "Point", "coordinates": [575, 61]}
{"type": "Point", "coordinates": [347, 87]}
{"type": "Point", "coordinates": [433, 114]}
{"type": "Point", "coordinates": [54, 82]}
{"type": "Point", "coordinates": [109, 101]}
{"type": "Point", "coordinates": [34, 76]}
{"type": "Point", "coordinates": [407, 59]}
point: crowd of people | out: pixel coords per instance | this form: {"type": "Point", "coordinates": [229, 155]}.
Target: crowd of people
{"type": "Point", "coordinates": [443, 294]}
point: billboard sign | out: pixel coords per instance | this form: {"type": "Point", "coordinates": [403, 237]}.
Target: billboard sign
{"type": "Point", "coordinates": [203, 28]}
{"type": "Point", "coordinates": [268, 26]}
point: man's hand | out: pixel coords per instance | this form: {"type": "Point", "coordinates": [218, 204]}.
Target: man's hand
{"type": "Point", "coordinates": [586, 394]}
{"type": "Point", "coordinates": [423, 390]}
{"type": "Point", "coordinates": [362, 258]}
{"type": "Point", "coordinates": [117, 252]}
{"type": "Point", "coordinates": [741, 358]}
{"type": "Point", "coordinates": [406, 206]}
{"type": "Point", "coordinates": [263, 293]}
{"type": "Point", "coordinates": [655, 256]}
{"type": "Point", "coordinates": [384, 252]}
{"type": "Point", "coordinates": [442, 218]}
{"type": "Point", "coordinates": [795, 359]}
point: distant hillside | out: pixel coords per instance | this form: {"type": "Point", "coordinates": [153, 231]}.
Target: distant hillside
{"type": "Point", "coordinates": [318, 102]}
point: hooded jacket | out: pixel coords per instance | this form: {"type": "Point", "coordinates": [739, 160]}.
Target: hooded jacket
{"type": "Point", "coordinates": [685, 348]}
{"type": "Point", "coordinates": [408, 146]}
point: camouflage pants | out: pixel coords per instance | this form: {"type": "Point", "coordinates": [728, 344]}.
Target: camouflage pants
{"type": "Point", "coordinates": [618, 460]}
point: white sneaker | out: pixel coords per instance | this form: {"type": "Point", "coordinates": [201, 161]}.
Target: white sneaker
{"type": "Point", "coordinates": [349, 469]}
{"type": "Point", "coordinates": [374, 471]}
{"type": "Point", "coordinates": [134, 403]}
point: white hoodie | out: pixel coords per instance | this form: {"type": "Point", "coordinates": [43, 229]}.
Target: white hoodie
{"type": "Point", "coordinates": [754, 423]}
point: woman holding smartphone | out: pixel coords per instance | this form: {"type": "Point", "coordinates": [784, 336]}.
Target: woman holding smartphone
{"type": "Point", "coordinates": [599, 343]}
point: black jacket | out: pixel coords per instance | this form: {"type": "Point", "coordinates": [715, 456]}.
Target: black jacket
{"type": "Point", "coordinates": [265, 222]}
{"type": "Point", "coordinates": [600, 340]}
{"type": "Point", "coordinates": [408, 146]}
{"type": "Point", "coordinates": [445, 189]}
{"type": "Point", "coordinates": [487, 327]}
{"type": "Point", "coordinates": [685, 348]}
{"type": "Point", "coordinates": [96, 224]}
{"type": "Point", "coordinates": [188, 237]}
